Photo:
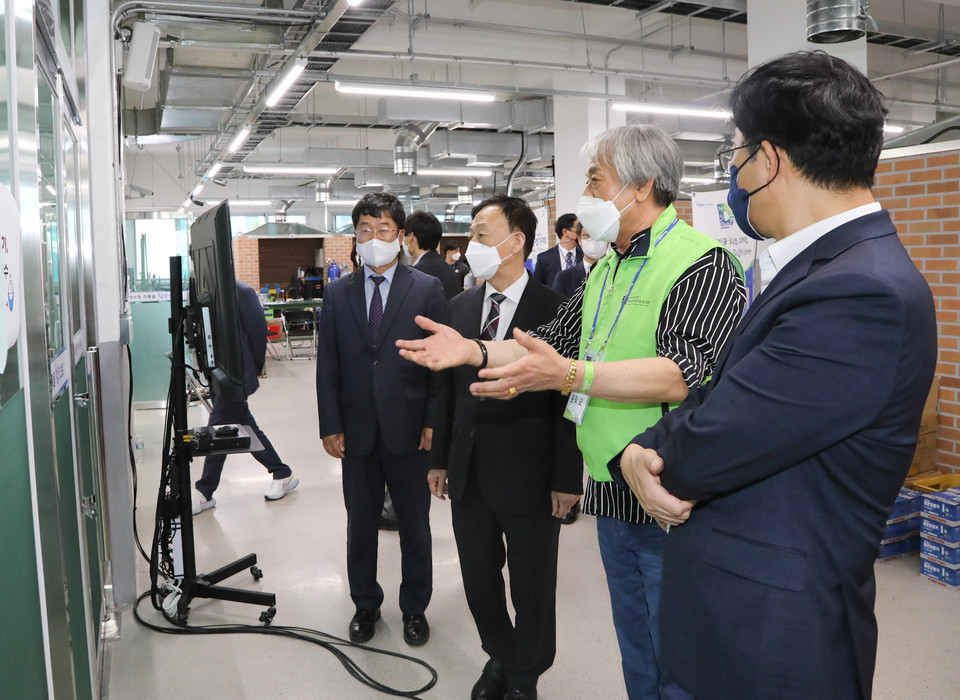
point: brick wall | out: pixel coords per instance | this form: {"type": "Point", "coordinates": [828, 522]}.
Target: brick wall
{"type": "Point", "coordinates": [246, 260]}
{"type": "Point", "coordinates": [923, 196]}
{"type": "Point", "coordinates": [337, 248]}
{"type": "Point", "coordinates": [280, 258]}
{"type": "Point", "coordinates": [684, 209]}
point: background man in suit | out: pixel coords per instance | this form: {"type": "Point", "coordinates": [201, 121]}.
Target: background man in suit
{"type": "Point", "coordinates": [513, 469]}
{"type": "Point", "coordinates": [451, 255]}
{"type": "Point", "coordinates": [564, 255]}
{"type": "Point", "coordinates": [796, 449]}
{"type": "Point", "coordinates": [360, 383]}
{"type": "Point", "coordinates": [648, 324]}
{"type": "Point", "coordinates": [424, 231]}
{"type": "Point", "coordinates": [253, 346]}
{"type": "Point", "coordinates": [568, 281]}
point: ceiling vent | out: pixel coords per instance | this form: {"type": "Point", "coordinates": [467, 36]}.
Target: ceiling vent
{"type": "Point", "coordinates": [836, 21]}
{"type": "Point", "coordinates": [410, 137]}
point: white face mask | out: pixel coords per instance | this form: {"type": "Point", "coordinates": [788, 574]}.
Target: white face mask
{"type": "Point", "coordinates": [484, 260]}
{"type": "Point", "coordinates": [406, 251]}
{"type": "Point", "coordinates": [593, 248]}
{"type": "Point", "coordinates": [600, 217]}
{"type": "Point", "coordinates": [455, 256]}
{"type": "Point", "coordinates": [377, 253]}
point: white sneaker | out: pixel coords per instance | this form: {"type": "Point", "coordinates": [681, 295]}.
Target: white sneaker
{"type": "Point", "coordinates": [281, 487]}
{"type": "Point", "coordinates": [202, 503]}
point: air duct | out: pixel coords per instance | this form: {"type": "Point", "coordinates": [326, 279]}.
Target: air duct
{"type": "Point", "coordinates": [410, 137]}
{"type": "Point", "coordinates": [324, 187]}
{"type": "Point", "coordinates": [836, 21]}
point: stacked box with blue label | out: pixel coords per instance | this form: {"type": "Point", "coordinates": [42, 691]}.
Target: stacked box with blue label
{"type": "Point", "coordinates": [902, 533]}
{"type": "Point", "coordinates": [940, 537]}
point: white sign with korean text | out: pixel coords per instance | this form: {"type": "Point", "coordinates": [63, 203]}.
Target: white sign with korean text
{"type": "Point", "coordinates": [10, 279]}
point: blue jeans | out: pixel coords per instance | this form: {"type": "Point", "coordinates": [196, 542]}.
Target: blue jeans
{"type": "Point", "coordinates": [633, 559]}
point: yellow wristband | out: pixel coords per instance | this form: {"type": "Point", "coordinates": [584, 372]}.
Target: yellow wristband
{"type": "Point", "coordinates": [571, 373]}
{"type": "Point", "coordinates": [587, 377]}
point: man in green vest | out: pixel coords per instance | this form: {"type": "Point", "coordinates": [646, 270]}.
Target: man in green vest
{"type": "Point", "coordinates": [647, 324]}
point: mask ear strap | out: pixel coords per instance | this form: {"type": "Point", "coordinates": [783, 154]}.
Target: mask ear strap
{"type": "Point", "coordinates": [777, 153]}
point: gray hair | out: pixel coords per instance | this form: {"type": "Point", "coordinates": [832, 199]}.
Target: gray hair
{"type": "Point", "coordinates": [637, 153]}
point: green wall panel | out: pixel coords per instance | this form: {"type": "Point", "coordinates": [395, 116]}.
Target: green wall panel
{"type": "Point", "coordinates": [22, 671]}
{"type": "Point", "coordinates": [151, 340]}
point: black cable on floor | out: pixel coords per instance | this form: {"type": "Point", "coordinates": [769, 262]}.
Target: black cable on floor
{"type": "Point", "coordinates": [321, 639]}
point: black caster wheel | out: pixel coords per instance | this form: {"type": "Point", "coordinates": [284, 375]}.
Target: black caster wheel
{"type": "Point", "coordinates": [266, 617]}
{"type": "Point", "coordinates": [256, 572]}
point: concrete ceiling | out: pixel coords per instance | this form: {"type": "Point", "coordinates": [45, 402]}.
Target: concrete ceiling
{"type": "Point", "coordinates": [215, 65]}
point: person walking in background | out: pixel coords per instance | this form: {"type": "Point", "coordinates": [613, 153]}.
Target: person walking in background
{"type": "Point", "coordinates": [253, 347]}
{"type": "Point", "coordinates": [564, 255]}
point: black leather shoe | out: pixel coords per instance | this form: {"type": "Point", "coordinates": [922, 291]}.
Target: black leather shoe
{"type": "Point", "coordinates": [571, 516]}
{"type": "Point", "coordinates": [364, 625]}
{"type": "Point", "coordinates": [517, 694]}
{"type": "Point", "coordinates": [416, 630]}
{"type": "Point", "coordinates": [491, 684]}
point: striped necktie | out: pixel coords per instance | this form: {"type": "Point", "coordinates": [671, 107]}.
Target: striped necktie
{"type": "Point", "coordinates": [569, 260]}
{"type": "Point", "coordinates": [493, 318]}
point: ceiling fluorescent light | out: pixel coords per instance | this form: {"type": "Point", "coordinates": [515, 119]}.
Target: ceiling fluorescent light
{"type": "Point", "coordinates": [698, 180]}
{"type": "Point", "coordinates": [251, 202]}
{"type": "Point", "coordinates": [354, 3]}
{"type": "Point", "coordinates": [214, 170]}
{"type": "Point", "coordinates": [197, 190]}
{"type": "Point", "coordinates": [891, 129]}
{"type": "Point", "coordinates": [340, 203]}
{"type": "Point", "coordinates": [284, 80]}
{"type": "Point", "coordinates": [647, 108]}
{"type": "Point", "coordinates": [270, 169]}
{"type": "Point", "coordinates": [239, 139]}
{"type": "Point", "coordinates": [455, 172]}
{"type": "Point", "coordinates": [426, 93]}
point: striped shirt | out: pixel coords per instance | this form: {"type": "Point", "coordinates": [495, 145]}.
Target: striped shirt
{"type": "Point", "coordinates": [696, 320]}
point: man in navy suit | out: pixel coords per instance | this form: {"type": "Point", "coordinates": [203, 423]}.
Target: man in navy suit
{"type": "Point", "coordinates": [377, 411]}
{"type": "Point", "coordinates": [253, 347]}
{"type": "Point", "coordinates": [777, 476]}
{"type": "Point", "coordinates": [563, 256]}
{"type": "Point", "coordinates": [424, 231]}
{"type": "Point", "coordinates": [568, 281]}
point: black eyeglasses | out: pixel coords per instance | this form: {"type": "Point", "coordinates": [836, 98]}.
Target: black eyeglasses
{"type": "Point", "coordinates": [726, 157]}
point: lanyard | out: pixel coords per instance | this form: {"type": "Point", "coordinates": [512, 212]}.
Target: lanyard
{"type": "Point", "coordinates": [624, 303]}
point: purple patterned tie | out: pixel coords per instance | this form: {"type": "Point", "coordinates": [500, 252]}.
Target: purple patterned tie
{"type": "Point", "coordinates": [376, 309]}
{"type": "Point", "coordinates": [493, 318]}
{"type": "Point", "coordinates": [569, 260]}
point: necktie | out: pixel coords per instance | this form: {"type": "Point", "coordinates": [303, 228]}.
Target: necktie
{"type": "Point", "coordinates": [493, 318]}
{"type": "Point", "coordinates": [569, 260]}
{"type": "Point", "coordinates": [376, 309]}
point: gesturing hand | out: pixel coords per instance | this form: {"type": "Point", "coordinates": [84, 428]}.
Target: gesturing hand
{"type": "Point", "coordinates": [641, 470]}
{"type": "Point", "coordinates": [541, 368]}
{"type": "Point", "coordinates": [443, 348]}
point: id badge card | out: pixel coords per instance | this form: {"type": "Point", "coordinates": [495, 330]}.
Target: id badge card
{"type": "Point", "coordinates": [577, 403]}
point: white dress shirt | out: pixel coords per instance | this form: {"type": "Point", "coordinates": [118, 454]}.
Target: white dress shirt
{"type": "Point", "coordinates": [507, 307]}
{"type": "Point", "coordinates": [776, 256]}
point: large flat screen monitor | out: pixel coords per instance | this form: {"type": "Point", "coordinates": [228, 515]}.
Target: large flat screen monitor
{"type": "Point", "coordinates": [213, 304]}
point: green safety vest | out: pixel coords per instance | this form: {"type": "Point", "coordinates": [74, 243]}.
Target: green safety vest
{"type": "Point", "coordinates": [609, 426]}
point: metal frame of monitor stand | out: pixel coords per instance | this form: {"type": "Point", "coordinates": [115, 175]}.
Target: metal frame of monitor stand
{"type": "Point", "coordinates": [196, 585]}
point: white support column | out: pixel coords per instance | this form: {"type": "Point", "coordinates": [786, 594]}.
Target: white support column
{"type": "Point", "coordinates": [776, 28]}
{"type": "Point", "coordinates": [576, 120]}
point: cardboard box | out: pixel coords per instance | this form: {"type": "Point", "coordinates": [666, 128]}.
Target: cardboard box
{"type": "Point", "coordinates": [944, 533]}
{"type": "Point", "coordinates": [948, 555]}
{"type": "Point", "coordinates": [901, 528]}
{"type": "Point", "coordinates": [939, 482]}
{"type": "Point", "coordinates": [907, 505]}
{"type": "Point", "coordinates": [890, 549]}
{"type": "Point", "coordinates": [925, 456]}
{"type": "Point", "coordinates": [942, 505]}
{"type": "Point", "coordinates": [931, 415]}
{"type": "Point", "coordinates": [943, 575]}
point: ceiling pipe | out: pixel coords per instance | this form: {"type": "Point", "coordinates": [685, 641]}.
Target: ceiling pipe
{"type": "Point", "coordinates": [410, 137]}
{"type": "Point", "coordinates": [836, 21]}
{"type": "Point", "coordinates": [516, 167]}
{"type": "Point", "coordinates": [324, 187]}
{"type": "Point", "coordinates": [209, 10]}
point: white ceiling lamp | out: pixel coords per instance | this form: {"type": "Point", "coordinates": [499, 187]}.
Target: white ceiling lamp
{"type": "Point", "coordinates": [251, 202]}
{"type": "Point", "coordinates": [354, 3]}
{"type": "Point", "coordinates": [455, 172]}
{"type": "Point", "coordinates": [197, 190]}
{"type": "Point", "coordinates": [426, 93]}
{"type": "Point", "coordinates": [891, 129]}
{"type": "Point", "coordinates": [340, 203]}
{"type": "Point", "coordinates": [214, 170]}
{"type": "Point", "coordinates": [698, 180]}
{"type": "Point", "coordinates": [284, 80]}
{"type": "Point", "coordinates": [672, 110]}
{"type": "Point", "coordinates": [278, 169]}
{"type": "Point", "coordinates": [239, 139]}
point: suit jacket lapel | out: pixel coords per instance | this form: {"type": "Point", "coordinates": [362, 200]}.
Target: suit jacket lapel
{"type": "Point", "coordinates": [401, 284]}
{"type": "Point", "coordinates": [357, 297]}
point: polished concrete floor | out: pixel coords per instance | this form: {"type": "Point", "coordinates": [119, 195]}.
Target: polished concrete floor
{"type": "Point", "coordinates": [300, 542]}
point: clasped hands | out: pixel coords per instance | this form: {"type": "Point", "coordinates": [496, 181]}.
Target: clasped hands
{"type": "Point", "coordinates": [641, 469]}
{"type": "Point", "coordinates": [539, 369]}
